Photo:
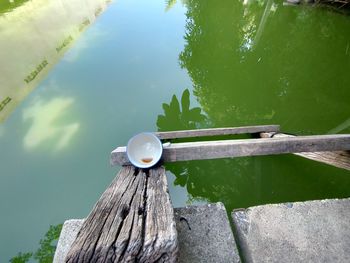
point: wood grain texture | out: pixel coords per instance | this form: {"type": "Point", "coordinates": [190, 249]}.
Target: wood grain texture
{"type": "Point", "coordinates": [340, 159]}
{"type": "Point", "coordinates": [133, 221]}
{"type": "Point", "coordinates": [217, 131]}
{"type": "Point", "coordinates": [247, 147]}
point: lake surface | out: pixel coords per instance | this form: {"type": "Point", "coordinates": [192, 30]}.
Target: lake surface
{"type": "Point", "coordinates": [161, 65]}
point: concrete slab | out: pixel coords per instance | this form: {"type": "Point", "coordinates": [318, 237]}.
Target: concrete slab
{"type": "Point", "coordinates": [69, 232]}
{"type": "Point", "coordinates": [314, 231]}
{"type": "Point", "coordinates": [204, 235]}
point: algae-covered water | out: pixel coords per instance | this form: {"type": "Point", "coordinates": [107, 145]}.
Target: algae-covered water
{"type": "Point", "coordinates": [156, 66]}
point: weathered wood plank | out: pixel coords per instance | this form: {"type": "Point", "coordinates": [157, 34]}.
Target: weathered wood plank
{"type": "Point", "coordinates": [160, 228]}
{"type": "Point", "coordinates": [217, 131]}
{"type": "Point", "coordinates": [340, 159]}
{"type": "Point", "coordinates": [248, 147]}
{"type": "Point", "coordinates": [128, 223]}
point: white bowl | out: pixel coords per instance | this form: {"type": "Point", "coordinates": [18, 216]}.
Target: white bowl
{"type": "Point", "coordinates": [144, 150]}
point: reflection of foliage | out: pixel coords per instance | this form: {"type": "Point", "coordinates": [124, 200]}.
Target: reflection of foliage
{"type": "Point", "coordinates": [250, 64]}
{"type": "Point", "coordinates": [244, 182]}
{"type": "Point", "coordinates": [176, 118]}
{"type": "Point", "coordinates": [6, 5]}
{"type": "Point", "coordinates": [338, 5]}
{"type": "Point", "coordinates": [249, 181]}
{"type": "Point", "coordinates": [171, 3]}
{"type": "Point", "coordinates": [47, 248]}
{"type": "Point", "coordinates": [216, 180]}
{"type": "Point", "coordinates": [211, 179]}
{"type": "Point", "coordinates": [217, 56]}
{"type": "Point", "coordinates": [21, 258]}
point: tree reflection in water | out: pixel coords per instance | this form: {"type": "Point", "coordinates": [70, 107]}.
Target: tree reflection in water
{"type": "Point", "coordinates": [246, 181]}
{"type": "Point", "coordinates": [47, 248]}
{"type": "Point", "coordinates": [176, 118]}
{"type": "Point", "coordinates": [8, 5]}
{"type": "Point", "coordinates": [250, 64]}
{"type": "Point", "coordinates": [257, 62]}
{"type": "Point", "coordinates": [212, 180]}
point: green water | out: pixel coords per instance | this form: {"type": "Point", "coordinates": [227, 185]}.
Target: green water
{"type": "Point", "coordinates": [144, 67]}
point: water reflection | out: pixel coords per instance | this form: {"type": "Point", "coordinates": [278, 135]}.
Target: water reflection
{"type": "Point", "coordinates": [170, 3]}
{"type": "Point", "coordinates": [343, 127]}
{"type": "Point", "coordinates": [110, 105]}
{"type": "Point", "coordinates": [32, 40]}
{"type": "Point", "coordinates": [45, 252]}
{"type": "Point", "coordinates": [9, 5]}
{"type": "Point", "coordinates": [211, 180]}
{"type": "Point", "coordinates": [74, 54]}
{"type": "Point", "coordinates": [269, 7]}
{"type": "Point", "coordinates": [180, 118]}
{"type": "Point", "coordinates": [249, 66]}
{"type": "Point", "coordinates": [47, 125]}
{"type": "Point", "coordinates": [248, 181]}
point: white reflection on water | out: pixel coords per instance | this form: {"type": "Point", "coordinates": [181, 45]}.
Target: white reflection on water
{"type": "Point", "coordinates": [95, 33]}
{"type": "Point", "coordinates": [45, 126]}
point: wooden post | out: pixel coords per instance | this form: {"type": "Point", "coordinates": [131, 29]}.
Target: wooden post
{"type": "Point", "coordinates": [133, 221]}
{"type": "Point", "coordinates": [340, 159]}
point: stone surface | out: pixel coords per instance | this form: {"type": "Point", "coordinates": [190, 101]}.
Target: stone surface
{"type": "Point", "coordinates": [204, 235]}
{"type": "Point", "coordinates": [314, 231]}
{"type": "Point", "coordinates": [69, 232]}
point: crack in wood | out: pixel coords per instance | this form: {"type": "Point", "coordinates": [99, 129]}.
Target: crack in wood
{"type": "Point", "coordinates": [123, 213]}
{"type": "Point", "coordinates": [132, 224]}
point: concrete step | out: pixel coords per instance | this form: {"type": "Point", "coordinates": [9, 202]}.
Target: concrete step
{"type": "Point", "coordinates": [204, 235]}
{"type": "Point", "coordinates": [313, 231]}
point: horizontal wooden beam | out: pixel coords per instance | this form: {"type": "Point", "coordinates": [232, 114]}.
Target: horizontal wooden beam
{"type": "Point", "coordinates": [247, 147]}
{"type": "Point", "coordinates": [217, 131]}
{"type": "Point", "coordinates": [340, 159]}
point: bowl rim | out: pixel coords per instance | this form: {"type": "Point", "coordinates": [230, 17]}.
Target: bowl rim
{"type": "Point", "coordinates": [138, 165]}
